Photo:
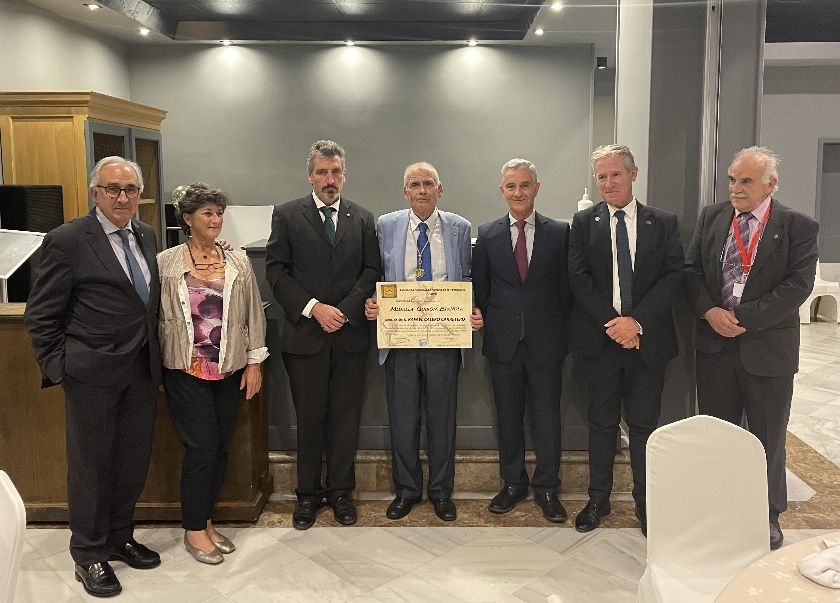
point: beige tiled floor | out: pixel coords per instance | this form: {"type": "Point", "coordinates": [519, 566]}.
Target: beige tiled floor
{"type": "Point", "coordinates": [504, 564]}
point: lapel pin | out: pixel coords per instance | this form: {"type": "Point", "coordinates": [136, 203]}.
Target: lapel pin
{"type": "Point", "coordinates": [648, 222]}
{"type": "Point", "coordinates": [775, 236]}
{"type": "Point", "coordinates": [597, 218]}
{"type": "Point", "coordinates": [347, 214]}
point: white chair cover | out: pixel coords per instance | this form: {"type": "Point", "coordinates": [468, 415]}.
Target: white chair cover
{"type": "Point", "coordinates": [706, 509]}
{"type": "Point", "coordinates": [12, 528]}
{"type": "Point", "coordinates": [821, 288]}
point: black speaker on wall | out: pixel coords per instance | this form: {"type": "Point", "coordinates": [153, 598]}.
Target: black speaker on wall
{"type": "Point", "coordinates": [32, 207]}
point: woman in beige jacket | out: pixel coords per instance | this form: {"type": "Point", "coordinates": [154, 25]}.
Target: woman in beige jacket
{"type": "Point", "coordinates": [212, 336]}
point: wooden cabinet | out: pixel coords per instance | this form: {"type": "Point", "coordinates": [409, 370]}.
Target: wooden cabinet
{"type": "Point", "coordinates": [32, 444]}
{"type": "Point", "coordinates": [57, 138]}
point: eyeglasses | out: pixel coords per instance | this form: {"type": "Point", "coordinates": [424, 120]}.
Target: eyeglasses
{"type": "Point", "coordinates": [113, 191]}
{"type": "Point", "coordinates": [209, 265]}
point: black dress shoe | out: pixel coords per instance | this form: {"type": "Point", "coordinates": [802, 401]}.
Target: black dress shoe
{"type": "Point", "coordinates": [305, 513]}
{"type": "Point", "coordinates": [590, 516]}
{"type": "Point", "coordinates": [508, 498]}
{"type": "Point", "coordinates": [400, 507]}
{"type": "Point", "coordinates": [776, 536]}
{"type": "Point", "coordinates": [98, 579]}
{"type": "Point", "coordinates": [551, 506]}
{"type": "Point", "coordinates": [135, 555]}
{"type": "Point", "coordinates": [344, 511]}
{"type": "Point", "coordinates": [445, 509]}
{"type": "Point", "coordinates": [641, 515]}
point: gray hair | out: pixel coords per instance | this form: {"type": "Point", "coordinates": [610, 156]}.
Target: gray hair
{"type": "Point", "coordinates": [768, 157]}
{"type": "Point", "coordinates": [115, 160]}
{"type": "Point", "coordinates": [192, 198]}
{"type": "Point", "coordinates": [324, 148]}
{"type": "Point", "coordinates": [420, 165]}
{"type": "Point", "coordinates": [609, 150]}
{"type": "Point", "coordinates": [518, 164]}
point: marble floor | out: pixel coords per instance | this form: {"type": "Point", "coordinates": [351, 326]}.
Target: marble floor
{"type": "Point", "coordinates": [478, 558]}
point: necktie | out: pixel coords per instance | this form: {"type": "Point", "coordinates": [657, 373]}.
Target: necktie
{"type": "Point", "coordinates": [732, 265]}
{"type": "Point", "coordinates": [520, 254]}
{"type": "Point", "coordinates": [137, 278]}
{"type": "Point", "coordinates": [328, 222]}
{"type": "Point", "coordinates": [520, 250]}
{"type": "Point", "coordinates": [625, 263]}
{"type": "Point", "coordinates": [424, 254]}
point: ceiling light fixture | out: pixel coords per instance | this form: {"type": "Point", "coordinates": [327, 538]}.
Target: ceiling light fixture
{"type": "Point", "coordinates": [539, 31]}
{"type": "Point", "coordinates": [472, 42]}
{"type": "Point", "coordinates": [92, 7]}
{"type": "Point", "coordinates": [225, 42]}
{"type": "Point", "coordinates": [556, 6]}
{"type": "Point", "coordinates": [143, 31]}
{"type": "Point", "coordinates": [601, 63]}
{"type": "Point", "coordinates": [350, 43]}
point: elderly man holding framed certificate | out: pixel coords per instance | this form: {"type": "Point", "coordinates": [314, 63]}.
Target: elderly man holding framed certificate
{"type": "Point", "coordinates": [423, 313]}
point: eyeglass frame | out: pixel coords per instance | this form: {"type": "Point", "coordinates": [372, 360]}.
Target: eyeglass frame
{"type": "Point", "coordinates": [122, 190]}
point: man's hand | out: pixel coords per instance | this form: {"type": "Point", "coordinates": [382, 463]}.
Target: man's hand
{"type": "Point", "coordinates": [724, 322]}
{"type": "Point", "coordinates": [251, 380]}
{"type": "Point", "coordinates": [371, 309]}
{"type": "Point", "coordinates": [624, 330]}
{"type": "Point", "coordinates": [476, 319]}
{"type": "Point", "coordinates": [329, 317]}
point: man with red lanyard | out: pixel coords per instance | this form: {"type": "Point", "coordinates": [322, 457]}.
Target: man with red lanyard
{"type": "Point", "coordinates": [747, 272]}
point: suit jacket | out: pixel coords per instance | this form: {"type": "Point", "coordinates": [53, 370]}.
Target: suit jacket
{"type": "Point", "coordinates": [543, 299]}
{"type": "Point", "coordinates": [657, 273]}
{"type": "Point", "coordinates": [392, 229]}
{"type": "Point", "coordinates": [301, 264]}
{"type": "Point", "coordinates": [780, 280]}
{"type": "Point", "coordinates": [83, 315]}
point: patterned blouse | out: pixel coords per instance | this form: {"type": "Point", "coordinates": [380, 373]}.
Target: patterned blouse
{"type": "Point", "coordinates": [206, 300]}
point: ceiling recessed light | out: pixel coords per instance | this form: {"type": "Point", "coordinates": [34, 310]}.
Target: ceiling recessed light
{"type": "Point", "coordinates": [92, 7]}
{"type": "Point", "coordinates": [350, 43]}
{"type": "Point", "coordinates": [472, 42]}
{"type": "Point", "coordinates": [225, 42]}
{"type": "Point", "coordinates": [539, 31]}
{"type": "Point", "coordinates": [143, 31]}
{"type": "Point", "coordinates": [556, 6]}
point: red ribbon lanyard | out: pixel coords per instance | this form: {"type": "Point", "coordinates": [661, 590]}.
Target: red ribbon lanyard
{"type": "Point", "coordinates": [748, 254]}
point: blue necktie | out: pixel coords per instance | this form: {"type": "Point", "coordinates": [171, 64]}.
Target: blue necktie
{"type": "Point", "coordinates": [328, 222]}
{"type": "Point", "coordinates": [137, 278]}
{"type": "Point", "coordinates": [625, 264]}
{"type": "Point", "coordinates": [732, 268]}
{"type": "Point", "coordinates": [424, 254]}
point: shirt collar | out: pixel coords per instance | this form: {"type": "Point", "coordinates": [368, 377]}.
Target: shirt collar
{"type": "Point", "coordinates": [761, 211]}
{"type": "Point", "coordinates": [109, 226]}
{"type": "Point", "coordinates": [319, 204]}
{"type": "Point", "coordinates": [414, 221]}
{"type": "Point", "coordinates": [629, 209]}
{"type": "Point", "coordinates": [531, 219]}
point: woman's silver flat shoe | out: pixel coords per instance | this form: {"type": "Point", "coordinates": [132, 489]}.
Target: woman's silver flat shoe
{"type": "Point", "coordinates": [224, 545]}
{"type": "Point", "coordinates": [212, 558]}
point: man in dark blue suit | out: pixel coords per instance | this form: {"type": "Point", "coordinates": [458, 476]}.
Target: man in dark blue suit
{"type": "Point", "coordinates": [520, 282]}
{"type": "Point", "coordinates": [93, 316]}
{"type": "Point", "coordinates": [625, 267]}
{"type": "Point", "coordinates": [746, 301]}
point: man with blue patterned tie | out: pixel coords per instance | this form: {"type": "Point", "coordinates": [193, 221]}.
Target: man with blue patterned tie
{"type": "Point", "coordinates": [746, 290]}
{"type": "Point", "coordinates": [625, 268]}
{"type": "Point", "coordinates": [92, 316]}
{"type": "Point", "coordinates": [423, 243]}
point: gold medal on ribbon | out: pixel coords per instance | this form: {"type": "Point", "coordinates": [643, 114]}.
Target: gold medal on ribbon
{"type": "Point", "coordinates": [419, 272]}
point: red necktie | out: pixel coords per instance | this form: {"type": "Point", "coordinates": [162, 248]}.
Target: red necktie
{"type": "Point", "coordinates": [520, 251]}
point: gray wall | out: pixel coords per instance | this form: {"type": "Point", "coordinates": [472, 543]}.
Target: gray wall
{"type": "Point", "coordinates": [39, 52]}
{"type": "Point", "coordinates": [242, 117]}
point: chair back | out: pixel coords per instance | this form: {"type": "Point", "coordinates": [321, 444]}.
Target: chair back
{"type": "Point", "coordinates": [12, 529]}
{"type": "Point", "coordinates": [706, 506]}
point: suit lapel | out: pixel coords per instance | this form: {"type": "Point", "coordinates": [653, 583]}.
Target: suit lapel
{"type": "Point", "coordinates": [720, 233]}
{"type": "Point", "coordinates": [507, 260]}
{"type": "Point", "coordinates": [645, 229]}
{"type": "Point", "coordinates": [149, 249]}
{"type": "Point", "coordinates": [313, 215]}
{"type": "Point", "coordinates": [400, 233]}
{"type": "Point", "coordinates": [449, 232]}
{"type": "Point", "coordinates": [540, 242]}
{"type": "Point", "coordinates": [101, 246]}
{"type": "Point", "coordinates": [346, 218]}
